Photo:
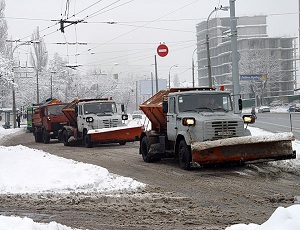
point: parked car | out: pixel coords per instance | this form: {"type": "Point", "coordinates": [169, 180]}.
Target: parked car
{"type": "Point", "coordinates": [137, 114]}
{"type": "Point", "coordinates": [264, 109]}
{"type": "Point", "coordinates": [294, 108]}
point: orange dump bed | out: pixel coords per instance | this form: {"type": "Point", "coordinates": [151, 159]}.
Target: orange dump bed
{"type": "Point", "coordinates": [152, 107]}
{"type": "Point", "coordinates": [70, 113]}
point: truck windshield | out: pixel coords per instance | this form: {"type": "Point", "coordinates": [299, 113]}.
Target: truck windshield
{"type": "Point", "coordinates": [55, 109]}
{"type": "Point", "coordinates": [204, 102]}
{"type": "Point", "coordinates": [99, 108]}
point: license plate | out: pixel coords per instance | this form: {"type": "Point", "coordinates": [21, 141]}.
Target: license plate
{"type": "Point", "coordinates": [225, 133]}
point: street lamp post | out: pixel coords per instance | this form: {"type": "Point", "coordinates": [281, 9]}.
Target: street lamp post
{"type": "Point", "coordinates": [51, 83]}
{"type": "Point", "coordinates": [193, 68]}
{"type": "Point", "coordinates": [170, 74]}
{"type": "Point", "coordinates": [224, 8]}
{"type": "Point", "coordinates": [13, 86]}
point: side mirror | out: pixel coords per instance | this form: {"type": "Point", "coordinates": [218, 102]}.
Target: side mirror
{"type": "Point", "coordinates": [123, 108]}
{"type": "Point", "coordinates": [240, 104]}
{"type": "Point", "coordinates": [165, 106]}
{"type": "Point", "coordinates": [124, 117]}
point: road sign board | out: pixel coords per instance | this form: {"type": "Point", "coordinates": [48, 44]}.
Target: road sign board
{"type": "Point", "coordinates": [162, 50]}
{"type": "Point", "coordinates": [253, 77]}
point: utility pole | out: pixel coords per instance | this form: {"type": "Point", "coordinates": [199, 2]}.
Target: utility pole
{"type": "Point", "coordinates": [235, 59]}
{"type": "Point", "coordinates": [156, 77]}
{"type": "Point", "coordinates": [193, 68]}
{"type": "Point", "coordinates": [13, 86]}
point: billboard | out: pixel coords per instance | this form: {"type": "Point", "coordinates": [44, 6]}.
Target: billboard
{"type": "Point", "coordinates": [148, 87]}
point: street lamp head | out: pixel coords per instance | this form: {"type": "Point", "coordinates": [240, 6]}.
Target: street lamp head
{"type": "Point", "coordinates": [224, 8]}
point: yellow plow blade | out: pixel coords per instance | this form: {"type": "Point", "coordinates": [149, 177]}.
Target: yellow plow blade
{"type": "Point", "coordinates": [243, 149]}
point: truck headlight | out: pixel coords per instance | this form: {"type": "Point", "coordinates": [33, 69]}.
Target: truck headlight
{"type": "Point", "coordinates": [188, 121]}
{"type": "Point", "coordinates": [248, 119]}
{"type": "Point", "coordinates": [89, 119]}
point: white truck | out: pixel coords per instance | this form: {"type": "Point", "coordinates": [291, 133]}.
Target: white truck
{"type": "Point", "coordinates": [94, 121]}
{"type": "Point", "coordinates": [197, 126]}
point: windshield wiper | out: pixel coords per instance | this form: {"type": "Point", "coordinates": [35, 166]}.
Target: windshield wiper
{"type": "Point", "coordinates": [220, 108]}
{"type": "Point", "coordinates": [190, 110]}
{"type": "Point", "coordinates": [199, 108]}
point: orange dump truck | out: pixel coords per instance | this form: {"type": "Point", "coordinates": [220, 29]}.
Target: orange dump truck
{"type": "Point", "coordinates": [197, 126]}
{"type": "Point", "coordinates": [97, 121]}
{"type": "Point", "coordinates": [48, 120]}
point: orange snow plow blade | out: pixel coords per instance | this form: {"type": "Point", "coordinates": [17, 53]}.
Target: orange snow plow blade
{"type": "Point", "coordinates": [244, 149]}
{"type": "Point", "coordinates": [116, 134]}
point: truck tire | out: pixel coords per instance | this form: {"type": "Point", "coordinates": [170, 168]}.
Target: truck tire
{"type": "Point", "coordinates": [66, 138]}
{"type": "Point", "coordinates": [145, 146]}
{"type": "Point", "coordinates": [46, 137]}
{"type": "Point", "coordinates": [145, 149]}
{"type": "Point", "coordinates": [37, 137]}
{"type": "Point", "coordinates": [122, 143]}
{"type": "Point", "coordinates": [87, 140]}
{"type": "Point", "coordinates": [184, 155]}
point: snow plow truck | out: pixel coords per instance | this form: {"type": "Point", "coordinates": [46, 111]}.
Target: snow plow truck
{"type": "Point", "coordinates": [96, 121]}
{"type": "Point", "coordinates": [48, 120]}
{"type": "Point", "coordinates": [197, 126]}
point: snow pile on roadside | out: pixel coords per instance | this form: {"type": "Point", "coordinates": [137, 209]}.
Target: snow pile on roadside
{"type": "Point", "coordinates": [25, 170]}
{"type": "Point", "coordinates": [282, 219]}
{"type": "Point", "coordinates": [14, 223]}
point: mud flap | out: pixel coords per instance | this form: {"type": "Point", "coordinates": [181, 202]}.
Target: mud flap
{"type": "Point", "coordinates": [244, 149]}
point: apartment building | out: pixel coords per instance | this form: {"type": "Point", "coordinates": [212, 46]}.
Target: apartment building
{"type": "Point", "coordinates": [267, 65]}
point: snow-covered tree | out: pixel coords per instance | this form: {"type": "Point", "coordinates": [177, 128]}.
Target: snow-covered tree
{"type": "Point", "coordinates": [259, 60]}
{"type": "Point", "coordinates": [4, 51]}
{"type": "Point", "coordinates": [58, 73]}
{"type": "Point", "coordinates": [6, 82]}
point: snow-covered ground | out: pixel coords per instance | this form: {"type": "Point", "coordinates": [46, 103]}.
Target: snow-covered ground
{"type": "Point", "coordinates": [37, 171]}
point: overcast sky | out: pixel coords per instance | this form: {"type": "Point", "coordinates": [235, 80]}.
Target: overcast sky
{"type": "Point", "coordinates": [140, 25]}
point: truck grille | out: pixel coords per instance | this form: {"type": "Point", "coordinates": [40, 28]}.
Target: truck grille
{"type": "Point", "coordinates": [55, 126]}
{"type": "Point", "coordinates": [109, 123]}
{"type": "Point", "coordinates": [221, 129]}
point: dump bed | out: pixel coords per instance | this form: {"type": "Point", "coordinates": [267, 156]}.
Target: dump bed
{"type": "Point", "coordinates": [70, 112]}
{"type": "Point", "coordinates": [152, 107]}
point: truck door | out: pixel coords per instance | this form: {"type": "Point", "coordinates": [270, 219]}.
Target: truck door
{"type": "Point", "coordinates": [80, 119]}
{"type": "Point", "coordinates": [172, 119]}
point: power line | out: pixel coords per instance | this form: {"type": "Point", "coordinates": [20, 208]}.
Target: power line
{"type": "Point", "coordinates": [143, 25]}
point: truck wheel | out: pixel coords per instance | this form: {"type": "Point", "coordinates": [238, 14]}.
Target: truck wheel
{"type": "Point", "coordinates": [87, 141]}
{"type": "Point", "coordinates": [66, 138]}
{"type": "Point", "coordinates": [145, 149]}
{"type": "Point", "coordinates": [184, 154]}
{"type": "Point", "coordinates": [46, 137]}
{"type": "Point", "coordinates": [145, 146]}
{"type": "Point", "coordinates": [37, 137]}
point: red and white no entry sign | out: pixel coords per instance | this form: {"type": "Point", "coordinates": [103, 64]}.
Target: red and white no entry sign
{"type": "Point", "coordinates": [162, 50]}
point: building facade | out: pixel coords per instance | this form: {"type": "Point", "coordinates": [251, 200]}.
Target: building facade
{"type": "Point", "coordinates": [267, 65]}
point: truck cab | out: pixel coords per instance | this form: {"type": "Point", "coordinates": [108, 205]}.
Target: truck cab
{"type": "Point", "coordinates": [202, 116]}
{"type": "Point", "coordinates": [89, 118]}
{"type": "Point", "coordinates": [97, 114]}
{"type": "Point", "coordinates": [47, 120]}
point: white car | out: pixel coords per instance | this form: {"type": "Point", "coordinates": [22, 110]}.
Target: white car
{"type": "Point", "coordinates": [137, 114]}
{"type": "Point", "coordinates": [264, 109]}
